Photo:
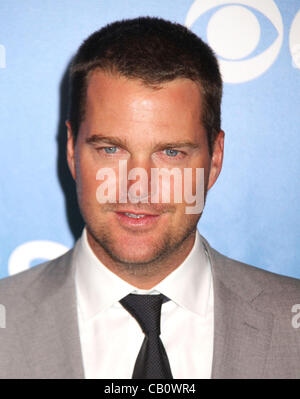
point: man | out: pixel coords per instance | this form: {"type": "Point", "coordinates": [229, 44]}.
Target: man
{"type": "Point", "coordinates": [142, 294]}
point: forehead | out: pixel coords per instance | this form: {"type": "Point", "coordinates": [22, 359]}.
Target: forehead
{"type": "Point", "coordinates": [117, 100]}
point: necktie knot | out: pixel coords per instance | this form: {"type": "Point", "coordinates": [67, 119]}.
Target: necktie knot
{"type": "Point", "coordinates": [146, 310]}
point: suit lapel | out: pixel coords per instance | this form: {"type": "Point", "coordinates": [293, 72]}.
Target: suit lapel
{"type": "Point", "coordinates": [242, 337]}
{"type": "Point", "coordinates": [242, 333]}
{"type": "Point", "coordinates": [48, 330]}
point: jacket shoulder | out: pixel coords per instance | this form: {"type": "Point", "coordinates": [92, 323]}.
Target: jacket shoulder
{"type": "Point", "coordinates": [251, 282]}
{"type": "Point", "coordinates": [270, 280]}
{"type": "Point", "coordinates": [13, 286]}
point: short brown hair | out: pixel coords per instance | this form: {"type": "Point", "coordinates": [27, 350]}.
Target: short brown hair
{"type": "Point", "coordinates": [155, 51]}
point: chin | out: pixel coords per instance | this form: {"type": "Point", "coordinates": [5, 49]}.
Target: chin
{"type": "Point", "coordinates": [134, 256]}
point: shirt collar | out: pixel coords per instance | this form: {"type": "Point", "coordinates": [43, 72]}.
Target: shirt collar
{"type": "Point", "coordinates": [189, 285]}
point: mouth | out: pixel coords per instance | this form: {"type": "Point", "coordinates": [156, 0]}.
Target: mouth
{"type": "Point", "coordinates": [141, 218]}
{"type": "Point", "coordinates": [134, 215]}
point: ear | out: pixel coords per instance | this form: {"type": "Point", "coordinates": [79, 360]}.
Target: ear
{"type": "Point", "coordinates": [71, 151]}
{"type": "Point", "coordinates": [216, 159]}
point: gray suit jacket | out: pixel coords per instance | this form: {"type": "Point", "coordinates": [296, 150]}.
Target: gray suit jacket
{"type": "Point", "coordinates": [253, 332]}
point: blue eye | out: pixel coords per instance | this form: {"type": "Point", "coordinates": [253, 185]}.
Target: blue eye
{"type": "Point", "coordinates": [172, 153]}
{"type": "Point", "coordinates": [110, 150]}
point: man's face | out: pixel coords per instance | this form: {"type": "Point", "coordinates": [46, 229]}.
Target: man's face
{"type": "Point", "coordinates": [148, 128]}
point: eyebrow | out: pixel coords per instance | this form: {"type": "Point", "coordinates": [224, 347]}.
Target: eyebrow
{"type": "Point", "coordinates": [180, 144]}
{"type": "Point", "coordinates": [98, 139]}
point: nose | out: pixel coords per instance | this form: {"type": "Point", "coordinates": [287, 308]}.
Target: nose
{"type": "Point", "coordinates": [139, 179]}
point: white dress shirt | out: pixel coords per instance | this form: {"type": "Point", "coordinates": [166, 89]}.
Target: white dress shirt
{"type": "Point", "coordinates": [111, 338]}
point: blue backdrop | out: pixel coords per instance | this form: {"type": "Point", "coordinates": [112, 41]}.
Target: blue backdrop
{"type": "Point", "coordinates": [252, 213]}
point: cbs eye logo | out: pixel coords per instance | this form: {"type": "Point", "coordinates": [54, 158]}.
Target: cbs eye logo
{"type": "Point", "coordinates": [2, 57]}
{"type": "Point", "coordinates": [294, 41]}
{"type": "Point", "coordinates": [234, 33]}
{"type": "Point", "coordinates": [31, 253]}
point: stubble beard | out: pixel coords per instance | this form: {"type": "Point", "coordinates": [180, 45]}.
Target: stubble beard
{"type": "Point", "coordinates": [169, 246]}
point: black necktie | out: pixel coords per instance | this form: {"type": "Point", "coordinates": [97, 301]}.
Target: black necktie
{"type": "Point", "coordinates": [152, 361]}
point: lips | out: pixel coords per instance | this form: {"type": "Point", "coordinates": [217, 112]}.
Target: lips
{"type": "Point", "coordinates": [137, 213]}
{"type": "Point", "coordinates": [133, 218]}
{"type": "Point", "coordinates": [133, 215]}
